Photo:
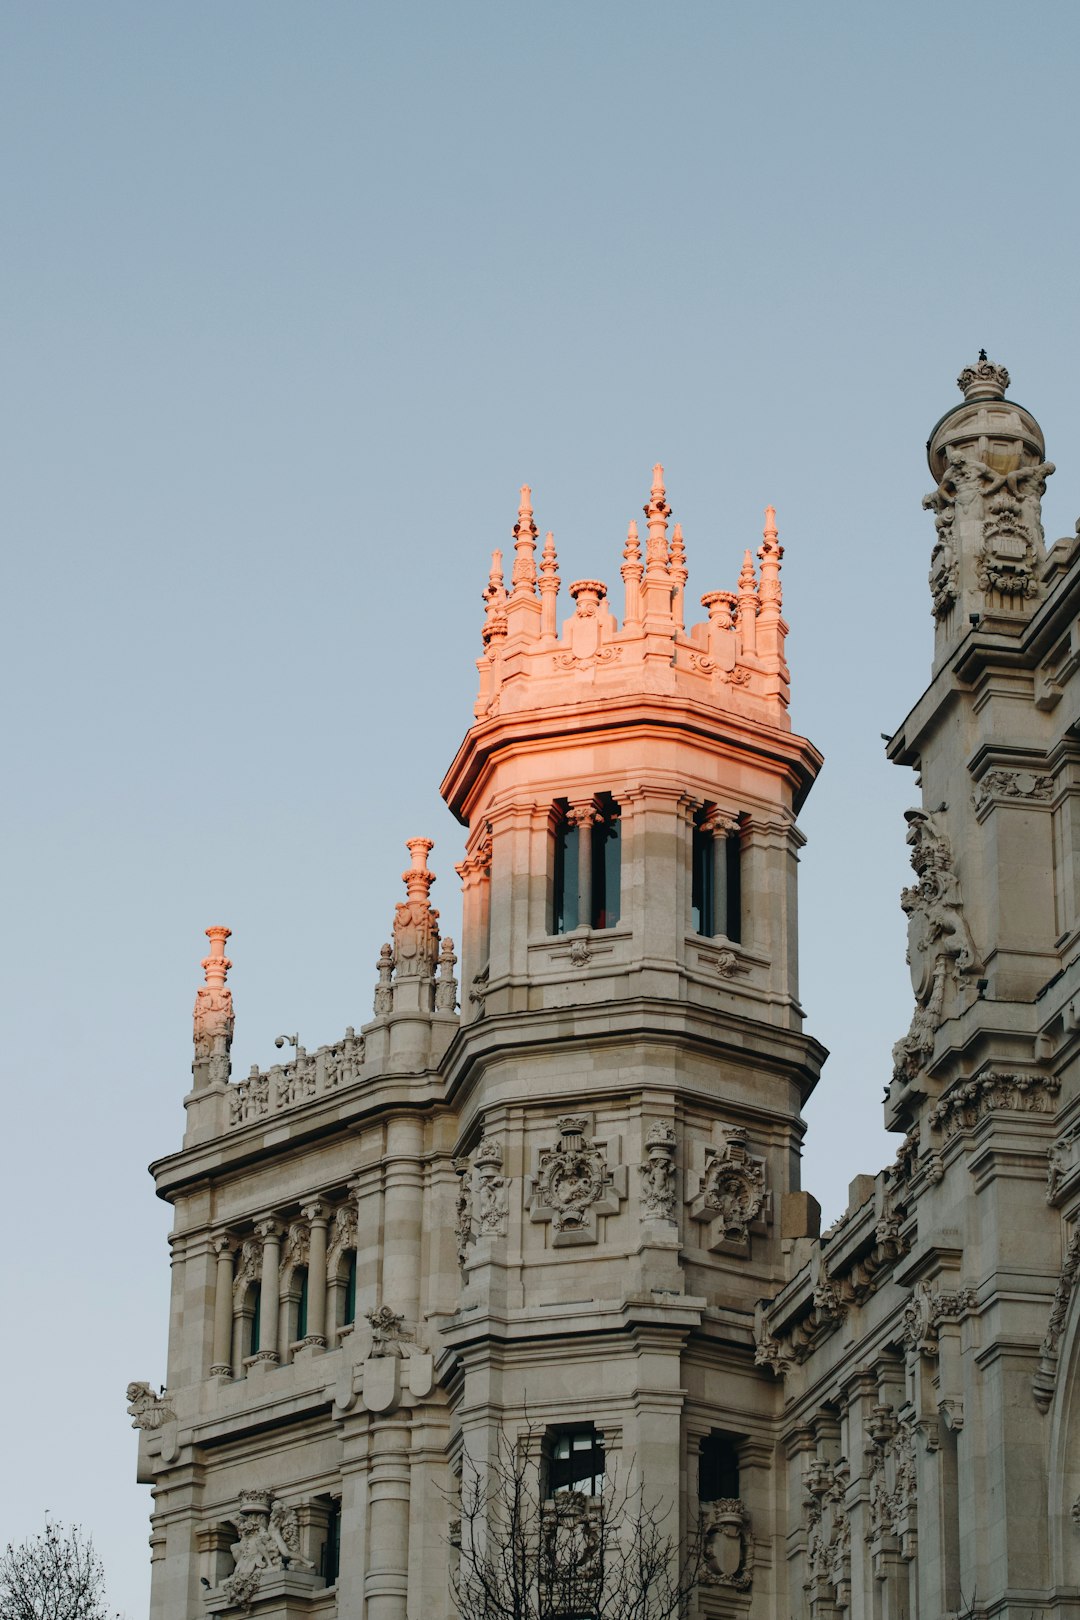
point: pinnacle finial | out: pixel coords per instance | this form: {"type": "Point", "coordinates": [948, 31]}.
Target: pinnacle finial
{"type": "Point", "coordinates": [658, 481]}
{"type": "Point", "coordinates": [657, 512]}
{"type": "Point", "coordinates": [983, 380]}
{"type": "Point", "coordinates": [523, 577]}
{"type": "Point", "coordinates": [216, 966]}
{"type": "Point", "coordinates": [493, 597]}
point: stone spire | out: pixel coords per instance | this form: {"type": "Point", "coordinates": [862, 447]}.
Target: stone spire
{"type": "Point", "coordinates": [771, 629]}
{"type": "Point", "coordinates": [549, 590]}
{"type": "Point", "coordinates": [748, 605]}
{"type": "Point", "coordinates": [416, 924]}
{"type": "Point", "coordinates": [657, 589]}
{"type": "Point", "coordinates": [523, 576]}
{"type": "Point", "coordinates": [632, 571]}
{"type": "Point", "coordinates": [494, 599]}
{"type": "Point", "coordinates": [213, 1015]}
{"type": "Point", "coordinates": [679, 575]}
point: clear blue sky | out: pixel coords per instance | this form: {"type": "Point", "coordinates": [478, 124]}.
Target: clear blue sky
{"type": "Point", "coordinates": [293, 298]}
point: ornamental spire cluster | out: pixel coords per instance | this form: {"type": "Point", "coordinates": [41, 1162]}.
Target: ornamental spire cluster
{"type": "Point", "coordinates": [736, 654]}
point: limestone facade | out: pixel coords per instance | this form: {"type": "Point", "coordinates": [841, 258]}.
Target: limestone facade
{"type": "Point", "coordinates": [550, 1191]}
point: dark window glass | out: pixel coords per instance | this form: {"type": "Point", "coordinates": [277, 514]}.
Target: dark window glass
{"type": "Point", "coordinates": [256, 1317]}
{"type": "Point", "coordinates": [565, 877]}
{"type": "Point", "coordinates": [574, 1461]}
{"type": "Point", "coordinates": [702, 902]}
{"type": "Point", "coordinates": [350, 1288]}
{"type": "Point", "coordinates": [331, 1553]}
{"type": "Point", "coordinates": [606, 848]}
{"type": "Point", "coordinates": [301, 1309]}
{"type": "Point", "coordinates": [718, 1468]}
{"type": "Point", "coordinates": [734, 886]}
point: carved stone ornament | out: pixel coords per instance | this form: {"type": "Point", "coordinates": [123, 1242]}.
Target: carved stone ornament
{"type": "Point", "coordinates": [828, 1534]}
{"type": "Point", "coordinates": [248, 1269]}
{"type": "Point", "coordinates": [384, 988]}
{"type": "Point", "coordinates": [463, 1208]}
{"type": "Point", "coordinates": [268, 1538]}
{"type": "Point", "coordinates": [446, 987]}
{"type": "Point", "coordinates": [727, 1547]}
{"type": "Point", "coordinates": [968, 1101]}
{"type": "Point", "coordinates": [147, 1410]}
{"type": "Point", "coordinates": [1063, 1162]}
{"type": "Point", "coordinates": [940, 947]}
{"type": "Point", "coordinates": [342, 1238]}
{"type": "Point", "coordinates": [944, 576]}
{"type": "Point", "coordinates": [983, 380]}
{"type": "Point", "coordinates": [1045, 1378]}
{"type": "Point", "coordinates": [287, 1085]}
{"type": "Point", "coordinates": [731, 1193]}
{"type": "Point", "coordinates": [482, 1204]}
{"type": "Point", "coordinates": [927, 1309]}
{"type": "Point", "coordinates": [657, 1171]}
{"type": "Point", "coordinates": [571, 1526]}
{"type": "Point", "coordinates": [390, 1336]}
{"type": "Point", "coordinates": [891, 1468]}
{"type": "Point", "coordinates": [574, 1183]}
{"type": "Point", "coordinates": [1032, 787]}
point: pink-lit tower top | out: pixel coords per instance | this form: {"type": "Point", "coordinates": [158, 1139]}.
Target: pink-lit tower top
{"type": "Point", "coordinates": [657, 734]}
{"type": "Point", "coordinates": [732, 659]}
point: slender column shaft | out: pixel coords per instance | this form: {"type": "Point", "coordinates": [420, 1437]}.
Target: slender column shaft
{"type": "Point", "coordinates": [316, 1215]}
{"type": "Point", "coordinates": [221, 1362]}
{"type": "Point", "coordinates": [583, 816]}
{"type": "Point", "coordinates": [270, 1302]}
{"type": "Point", "coordinates": [403, 1216]}
{"type": "Point", "coordinates": [387, 1579]}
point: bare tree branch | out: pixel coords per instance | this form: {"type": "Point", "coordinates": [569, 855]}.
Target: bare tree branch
{"type": "Point", "coordinates": [54, 1576]}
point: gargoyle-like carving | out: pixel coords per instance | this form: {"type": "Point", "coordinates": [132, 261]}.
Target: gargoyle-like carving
{"type": "Point", "coordinates": [390, 1336]}
{"type": "Point", "coordinates": [1045, 1377]}
{"type": "Point", "coordinates": [657, 1172]}
{"type": "Point", "coordinates": [147, 1410]}
{"type": "Point", "coordinates": [268, 1538]}
{"type": "Point", "coordinates": [731, 1192]}
{"type": "Point", "coordinates": [727, 1546]}
{"type": "Point", "coordinates": [574, 1183]}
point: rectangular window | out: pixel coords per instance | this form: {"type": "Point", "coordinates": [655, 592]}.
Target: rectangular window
{"type": "Point", "coordinates": [350, 1289]}
{"type": "Point", "coordinates": [606, 862]}
{"type": "Point", "coordinates": [565, 876]}
{"type": "Point", "coordinates": [718, 1468]}
{"type": "Point", "coordinates": [702, 886]}
{"type": "Point", "coordinates": [574, 1461]}
{"type": "Point", "coordinates": [733, 852]}
{"type": "Point", "coordinates": [331, 1553]}
{"type": "Point", "coordinates": [302, 1307]}
{"type": "Point", "coordinates": [256, 1318]}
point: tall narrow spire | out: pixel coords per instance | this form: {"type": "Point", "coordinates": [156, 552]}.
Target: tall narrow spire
{"type": "Point", "coordinates": [523, 577]}
{"type": "Point", "coordinates": [657, 589]}
{"type": "Point", "coordinates": [494, 599]}
{"type": "Point", "coordinates": [748, 605]}
{"type": "Point", "coordinates": [677, 568]}
{"type": "Point", "coordinates": [632, 571]}
{"type": "Point", "coordinates": [771, 629]}
{"type": "Point", "coordinates": [549, 590]}
{"type": "Point", "coordinates": [213, 1017]}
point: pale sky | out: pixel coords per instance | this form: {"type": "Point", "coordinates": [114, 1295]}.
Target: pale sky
{"type": "Point", "coordinates": [293, 298]}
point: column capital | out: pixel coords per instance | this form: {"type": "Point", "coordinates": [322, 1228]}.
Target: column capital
{"type": "Point", "coordinates": [269, 1228]}
{"type": "Point", "coordinates": [224, 1244]}
{"type": "Point", "coordinates": [316, 1211]}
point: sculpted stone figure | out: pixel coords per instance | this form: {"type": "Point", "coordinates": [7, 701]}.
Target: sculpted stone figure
{"type": "Point", "coordinates": [268, 1538]}
{"type": "Point", "coordinates": [147, 1410]}
{"type": "Point", "coordinates": [658, 1173]}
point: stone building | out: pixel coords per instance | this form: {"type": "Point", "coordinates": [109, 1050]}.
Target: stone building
{"type": "Point", "coordinates": [567, 1212]}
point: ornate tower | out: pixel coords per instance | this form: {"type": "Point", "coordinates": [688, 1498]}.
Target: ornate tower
{"type": "Point", "coordinates": [631, 1054]}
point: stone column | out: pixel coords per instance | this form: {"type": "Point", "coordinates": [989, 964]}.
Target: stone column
{"type": "Point", "coordinates": [221, 1363]}
{"type": "Point", "coordinates": [721, 826]}
{"type": "Point", "coordinates": [386, 1582]}
{"type": "Point", "coordinates": [582, 814]}
{"type": "Point", "coordinates": [403, 1211]}
{"type": "Point", "coordinates": [269, 1303]}
{"type": "Point", "coordinates": [317, 1216]}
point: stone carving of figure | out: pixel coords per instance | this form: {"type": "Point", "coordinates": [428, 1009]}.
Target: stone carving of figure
{"type": "Point", "coordinates": [147, 1410]}
{"type": "Point", "coordinates": [267, 1539]}
{"type": "Point", "coordinates": [464, 1209]}
{"type": "Point", "coordinates": [489, 1188]}
{"type": "Point", "coordinates": [384, 993]}
{"type": "Point", "coordinates": [390, 1336]}
{"type": "Point", "coordinates": [658, 1173]}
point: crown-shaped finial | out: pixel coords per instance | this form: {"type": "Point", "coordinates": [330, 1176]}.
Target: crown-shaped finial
{"type": "Point", "coordinates": [983, 380]}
